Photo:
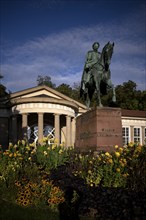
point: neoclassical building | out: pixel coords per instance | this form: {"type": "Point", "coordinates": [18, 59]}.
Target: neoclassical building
{"type": "Point", "coordinates": [39, 112]}
{"type": "Point", "coordinates": [44, 112]}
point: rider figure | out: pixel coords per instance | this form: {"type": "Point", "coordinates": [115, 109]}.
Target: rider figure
{"type": "Point", "coordinates": [92, 56]}
{"type": "Point", "coordinates": [92, 62]}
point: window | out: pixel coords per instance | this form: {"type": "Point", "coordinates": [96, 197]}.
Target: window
{"type": "Point", "coordinates": [137, 135]}
{"type": "Point", "coordinates": [126, 135]}
{"type": "Point", "coordinates": [145, 135]}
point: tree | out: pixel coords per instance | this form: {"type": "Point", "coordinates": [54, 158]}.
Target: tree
{"type": "Point", "coordinates": [45, 80]}
{"type": "Point", "coordinates": [128, 97]}
{"type": "Point", "coordinates": [76, 92]}
{"type": "Point", "coordinates": [65, 89]}
{"type": "Point", "coordinates": [1, 78]}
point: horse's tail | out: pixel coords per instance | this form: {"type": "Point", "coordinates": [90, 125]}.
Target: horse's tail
{"type": "Point", "coordinates": [82, 89]}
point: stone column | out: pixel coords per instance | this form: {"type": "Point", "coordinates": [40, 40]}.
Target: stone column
{"type": "Point", "coordinates": [24, 126]}
{"type": "Point", "coordinates": [131, 133]}
{"type": "Point", "coordinates": [40, 127]}
{"type": "Point", "coordinates": [68, 131]}
{"type": "Point", "coordinates": [14, 129]}
{"type": "Point", "coordinates": [57, 127]}
{"type": "Point", "coordinates": [143, 134]}
{"type": "Point", "coordinates": [73, 131]}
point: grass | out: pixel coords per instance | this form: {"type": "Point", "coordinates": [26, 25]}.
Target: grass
{"type": "Point", "coordinates": [10, 211]}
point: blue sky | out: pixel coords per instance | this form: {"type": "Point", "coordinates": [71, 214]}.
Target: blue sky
{"type": "Point", "coordinates": [52, 37]}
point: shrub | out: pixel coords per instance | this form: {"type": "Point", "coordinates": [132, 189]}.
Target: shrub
{"type": "Point", "coordinates": [121, 168]}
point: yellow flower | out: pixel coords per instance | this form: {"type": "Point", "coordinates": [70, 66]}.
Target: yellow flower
{"type": "Point", "coordinates": [56, 140]}
{"type": "Point", "coordinates": [61, 151]}
{"type": "Point", "coordinates": [23, 142]}
{"type": "Point", "coordinates": [124, 161]}
{"type": "Point", "coordinates": [118, 170]}
{"type": "Point", "coordinates": [15, 146]}
{"type": "Point", "coordinates": [33, 151]}
{"type": "Point", "coordinates": [90, 162]}
{"type": "Point", "coordinates": [116, 146]}
{"type": "Point", "coordinates": [45, 139]}
{"type": "Point", "coordinates": [139, 148]}
{"type": "Point", "coordinates": [45, 153]}
{"type": "Point", "coordinates": [98, 158]}
{"type": "Point", "coordinates": [125, 174]}
{"type": "Point", "coordinates": [117, 154]}
{"type": "Point", "coordinates": [53, 146]}
{"type": "Point", "coordinates": [91, 184]}
{"type": "Point", "coordinates": [29, 158]}
{"type": "Point", "coordinates": [10, 155]}
{"type": "Point", "coordinates": [20, 158]}
{"type": "Point", "coordinates": [131, 144]}
{"type": "Point", "coordinates": [32, 144]}
{"type": "Point", "coordinates": [17, 183]}
{"type": "Point", "coordinates": [80, 156]}
{"type": "Point", "coordinates": [27, 148]}
{"type": "Point", "coordinates": [121, 150]}
{"type": "Point", "coordinates": [110, 161]}
{"type": "Point", "coordinates": [10, 145]}
{"type": "Point", "coordinates": [107, 154]}
{"type": "Point", "coordinates": [121, 163]}
{"type": "Point", "coordinates": [89, 171]}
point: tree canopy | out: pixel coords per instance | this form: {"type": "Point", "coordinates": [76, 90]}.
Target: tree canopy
{"type": "Point", "coordinates": [128, 97]}
{"type": "Point", "coordinates": [45, 80]}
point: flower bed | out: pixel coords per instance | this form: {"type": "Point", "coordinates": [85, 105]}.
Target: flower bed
{"type": "Point", "coordinates": [97, 184]}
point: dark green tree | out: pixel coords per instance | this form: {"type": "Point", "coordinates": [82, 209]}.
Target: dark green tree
{"type": "Point", "coordinates": [76, 92]}
{"type": "Point", "coordinates": [65, 89]}
{"type": "Point", "coordinates": [45, 80]}
{"type": "Point", "coordinates": [3, 91]}
{"type": "Point", "coordinates": [128, 97]}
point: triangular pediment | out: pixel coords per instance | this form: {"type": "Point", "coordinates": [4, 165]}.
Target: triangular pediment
{"type": "Point", "coordinates": [39, 91]}
{"type": "Point", "coordinates": [44, 92]}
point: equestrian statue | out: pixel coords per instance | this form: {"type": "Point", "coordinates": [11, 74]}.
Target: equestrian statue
{"type": "Point", "coordinates": [96, 75]}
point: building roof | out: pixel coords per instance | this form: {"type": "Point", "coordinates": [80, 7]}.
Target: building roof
{"type": "Point", "coordinates": [133, 113]}
{"type": "Point", "coordinates": [45, 94]}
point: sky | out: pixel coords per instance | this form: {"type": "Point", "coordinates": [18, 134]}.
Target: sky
{"type": "Point", "coordinates": [52, 37]}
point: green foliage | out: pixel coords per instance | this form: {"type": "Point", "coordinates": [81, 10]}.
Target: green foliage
{"type": "Point", "coordinates": [26, 180]}
{"type": "Point", "coordinates": [122, 168]}
{"type": "Point", "coordinates": [64, 89]}
{"type": "Point", "coordinates": [130, 98]}
{"type": "Point", "coordinates": [51, 156]}
{"type": "Point", "coordinates": [45, 80]}
{"type": "Point", "coordinates": [12, 211]}
{"type": "Point", "coordinates": [24, 175]}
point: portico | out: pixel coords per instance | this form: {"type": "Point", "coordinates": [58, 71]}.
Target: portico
{"type": "Point", "coordinates": [42, 111]}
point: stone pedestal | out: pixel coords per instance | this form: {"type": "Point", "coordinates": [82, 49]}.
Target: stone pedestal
{"type": "Point", "coordinates": [99, 129]}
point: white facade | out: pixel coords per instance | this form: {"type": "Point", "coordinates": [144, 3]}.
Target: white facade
{"type": "Point", "coordinates": [42, 111]}
{"type": "Point", "coordinates": [134, 126]}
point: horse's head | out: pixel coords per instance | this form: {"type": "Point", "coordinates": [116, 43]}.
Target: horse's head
{"type": "Point", "coordinates": [107, 54]}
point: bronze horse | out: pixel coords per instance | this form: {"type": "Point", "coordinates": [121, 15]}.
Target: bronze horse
{"type": "Point", "coordinates": [98, 78]}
